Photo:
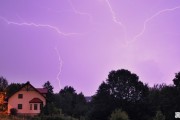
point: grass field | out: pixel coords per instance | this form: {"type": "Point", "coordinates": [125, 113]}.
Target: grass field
{"type": "Point", "coordinates": [53, 117]}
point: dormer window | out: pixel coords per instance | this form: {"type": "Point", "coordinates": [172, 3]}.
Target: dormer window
{"type": "Point", "coordinates": [20, 96]}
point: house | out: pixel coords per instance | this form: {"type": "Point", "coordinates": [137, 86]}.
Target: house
{"type": "Point", "coordinates": [28, 100]}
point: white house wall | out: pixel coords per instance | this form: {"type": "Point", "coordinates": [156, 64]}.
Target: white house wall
{"type": "Point", "coordinates": [27, 96]}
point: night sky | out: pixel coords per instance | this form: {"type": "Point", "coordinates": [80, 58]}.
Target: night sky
{"type": "Point", "coordinates": [78, 42]}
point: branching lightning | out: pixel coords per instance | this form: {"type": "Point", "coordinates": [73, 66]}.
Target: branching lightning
{"type": "Point", "coordinates": [113, 14]}
{"type": "Point", "coordinates": [80, 13]}
{"type": "Point", "coordinates": [115, 18]}
{"type": "Point", "coordinates": [60, 66]}
{"type": "Point", "coordinates": [76, 11]}
{"type": "Point", "coordinates": [144, 23]}
{"type": "Point", "coordinates": [149, 19]}
{"type": "Point", "coordinates": [54, 28]}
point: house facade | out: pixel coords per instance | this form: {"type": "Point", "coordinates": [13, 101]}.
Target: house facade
{"type": "Point", "coordinates": [28, 100]}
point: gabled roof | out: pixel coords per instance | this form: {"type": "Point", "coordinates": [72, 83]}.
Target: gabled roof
{"type": "Point", "coordinates": [28, 84]}
{"type": "Point", "coordinates": [35, 100]}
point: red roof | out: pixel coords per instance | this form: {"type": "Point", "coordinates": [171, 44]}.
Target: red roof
{"type": "Point", "coordinates": [42, 90]}
{"type": "Point", "coordinates": [35, 100]}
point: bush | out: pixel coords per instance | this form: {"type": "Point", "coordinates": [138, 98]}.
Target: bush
{"type": "Point", "coordinates": [159, 116]}
{"type": "Point", "coordinates": [119, 115]}
{"type": "Point", "coordinates": [50, 109]}
{"type": "Point", "coordinates": [53, 117]}
{"type": "Point", "coordinates": [13, 111]}
{"type": "Point", "coordinates": [3, 107]}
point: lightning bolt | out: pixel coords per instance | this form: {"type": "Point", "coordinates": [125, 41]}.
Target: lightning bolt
{"type": "Point", "coordinates": [78, 12]}
{"type": "Point", "coordinates": [60, 66]}
{"type": "Point", "coordinates": [54, 28]}
{"type": "Point", "coordinates": [149, 19]}
{"type": "Point", "coordinates": [113, 14]}
{"type": "Point", "coordinates": [115, 19]}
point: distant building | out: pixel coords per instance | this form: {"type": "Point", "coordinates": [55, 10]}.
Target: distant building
{"type": "Point", "coordinates": [88, 98]}
{"type": "Point", "coordinates": [28, 100]}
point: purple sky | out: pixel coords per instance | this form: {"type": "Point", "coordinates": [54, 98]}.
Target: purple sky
{"type": "Point", "coordinates": [78, 42]}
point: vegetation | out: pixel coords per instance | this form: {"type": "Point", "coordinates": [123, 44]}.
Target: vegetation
{"type": "Point", "coordinates": [3, 84]}
{"type": "Point", "coordinates": [159, 116]}
{"type": "Point", "coordinates": [121, 91]}
{"type": "Point", "coordinates": [50, 94]}
{"type": "Point", "coordinates": [13, 111]}
{"type": "Point", "coordinates": [119, 115]}
{"type": "Point", "coordinates": [54, 117]}
{"type": "Point", "coordinates": [12, 88]}
{"type": "Point", "coordinates": [70, 102]}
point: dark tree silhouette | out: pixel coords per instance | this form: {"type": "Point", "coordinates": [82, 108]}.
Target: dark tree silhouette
{"type": "Point", "coordinates": [3, 84]}
{"type": "Point", "coordinates": [12, 88]}
{"type": "Point", "coordinates": [176, 80]}
{"type": "Point", "coordinates": [67, 89]}
{"type": "Point", "coordinates": [50, 94]}
{"type": "Point", "coordinates": [102, 103]}
{"type": "Point", "coordinates": [70, 102]}
{"type": "Point", "coordinates": [125, 85]}
{"type": "Point", "coordinates": [169, 101]}
{"type": "Point", "coordinates": [123, 90]}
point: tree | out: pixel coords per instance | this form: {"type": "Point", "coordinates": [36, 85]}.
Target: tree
{"type": "Point", "coordinates": [70, 102]}
{"type": "Point", "coordinates": [80, 107]}
{"type": "Point", "coordinates": [119, 115]}
{"type": "Point", "coordinates": [164, 98]}
{"type": "Point", "coordinates": [67, 89]}
{"type": "Point", "coordinates": [50, 94]}
{"type": "Point", "coordinates": [102, 104]}
{"type": "Point", "coordinates": [3, 84]}
{"type": "Point", "coordinates": [12, 88]}
{"type": "Point", "coordinates": [123, 90]}
{"type": "Point", "coordinates": [50, 109]}
{"type": "Point", "coordinates": [67, 100]}
{"type": "Point", "coordinates": [159, 116]}
{"type": "Point", "coordinates": [154, 98]}
{"type": "Point", "coordinates": [125, 85]}
{"type": "Point", "coordinates": [176, 80]}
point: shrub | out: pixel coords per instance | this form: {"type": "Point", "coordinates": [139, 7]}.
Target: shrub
{"type": "Point", "coordinates": [159, 116]}
{"type": "Point", "coordinates": [50, 109]}
{"type": "Point", "coordinates": [119, 115]}
{"type": "Point", "coordinates": [53, 117]}
{"type": "Point", "coordinates": [13, 111]}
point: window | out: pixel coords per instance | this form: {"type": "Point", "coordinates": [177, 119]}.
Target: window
{"type": "Point", "coordinates": [20, 96]}
{"type": "Point", "coordinates": [30, 106]}
{"type": "Point", "coordinates": [19, 106]}
{"type": "Point", "coordinates": [41, 106]}
{"type": "Point", "coordinates": [35, 106]}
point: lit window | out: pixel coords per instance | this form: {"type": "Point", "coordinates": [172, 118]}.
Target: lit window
{"type": "Point", "coordinates": [20, 96]}
{"type": "Point", "coordinates": [19, 106]}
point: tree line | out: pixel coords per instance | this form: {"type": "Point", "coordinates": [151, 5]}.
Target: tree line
{"type": "Point", "coordinates": [122, 96]}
